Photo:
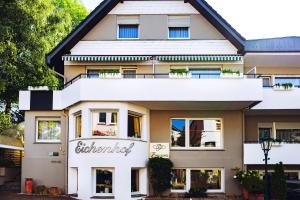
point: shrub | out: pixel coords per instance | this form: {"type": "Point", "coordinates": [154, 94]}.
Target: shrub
{"type": "Point", "coordinates": [251, 181]}
{"type": "Point", "coordinates": [160, 174]}
{"type": "Point", "coordinates": [109, 71]}
{"type": "Point", "coordinates": [229, 71]}
{"type": "Point", "coordinates": [278, 183]}
{"type": "Point", "coordinates": [179, 71]}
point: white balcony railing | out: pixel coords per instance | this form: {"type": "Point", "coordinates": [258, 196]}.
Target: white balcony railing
{"type": "Point", "coordinates": [285, 153]}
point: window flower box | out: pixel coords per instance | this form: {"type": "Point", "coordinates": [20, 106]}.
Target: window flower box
{"type": "Point", "coordinates": [110, 75]}
{"type": "Point", "coordinates": [283, 87]}
{"type": "Point", "coordinates": [228, 73]}
{"type": "Point", "coordinates": [38, 88]}
{"type": "Point", "coordinates": [179, 73]}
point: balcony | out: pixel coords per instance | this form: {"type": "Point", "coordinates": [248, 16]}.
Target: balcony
{"type": "Point", "coordinates": [159, 91]}
{"type": "Point", "coordinates": [284, 152]}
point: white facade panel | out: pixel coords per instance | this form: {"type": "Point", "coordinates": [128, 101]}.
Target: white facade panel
{"type": "Point", "coordinates": [285, 153]}
{"type": "Point", "coordinates": [169, 47]}
{"type": "Point", "coordinates": [274, 99]}
{"type": "Point", "coordinates": [24, 100]}
{"type": "Point", "coordinates": [153, 7]}
{"type": "Point", "coordinates": [57, 100]}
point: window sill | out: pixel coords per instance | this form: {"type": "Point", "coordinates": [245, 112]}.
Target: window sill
{"type": "Point", "coordinates": [43, 142]}
{"type": "Point", "coordinates": [196, 149]}
{"type": "Point", "coordinates": [137, 195]}
{"type": "Point", "coordinates": [103, 197]}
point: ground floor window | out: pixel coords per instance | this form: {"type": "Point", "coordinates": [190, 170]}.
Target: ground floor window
{"type": "Point", "coordinates": [104, 181]}
{"type": "Point", "coordinates": [135, 180]}
{"type": "Point", "coordinates": [185, 179]}
{"type": "Point", "coordinates": [48, 130]}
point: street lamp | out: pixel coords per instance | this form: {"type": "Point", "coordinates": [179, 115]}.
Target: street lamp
{"type": "Point", "coordinates": [266, 144]}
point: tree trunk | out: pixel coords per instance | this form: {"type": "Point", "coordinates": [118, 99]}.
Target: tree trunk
{"type": "Point", "coordinates": [7, 108]}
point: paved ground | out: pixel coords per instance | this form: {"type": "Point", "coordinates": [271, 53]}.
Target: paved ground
{"type": "Point", "coordinates": [12, 196]}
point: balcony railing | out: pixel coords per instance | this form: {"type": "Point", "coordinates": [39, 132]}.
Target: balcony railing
{"type": "Point", "coordinates": [165, 76]}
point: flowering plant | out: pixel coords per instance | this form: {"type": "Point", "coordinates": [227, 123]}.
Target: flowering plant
{"type": "Point", "coordinates": [250, 180]}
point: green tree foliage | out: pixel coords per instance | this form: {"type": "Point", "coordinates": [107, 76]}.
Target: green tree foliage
{"type": "Point", "coordinates": [5, 122]}
{"type": "Point", "coordinates": [29, 29]}
{"type": "Point", "coordinates": [160, 174]}
{"type": "Point", "coordinates": [278, 183]}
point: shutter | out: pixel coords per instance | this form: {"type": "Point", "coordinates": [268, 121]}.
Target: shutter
{"type": "Point", "coordinates": [128, 20]}
{"type": "Point", "coordinates": [179, 21]}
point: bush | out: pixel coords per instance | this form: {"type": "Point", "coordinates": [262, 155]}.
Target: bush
{"type": "Point", "coordinates": [251, 181]}
{"type": "Point", "coordinates": [160, 174]}
{"type": "Point", "coordinates": [278, 183]}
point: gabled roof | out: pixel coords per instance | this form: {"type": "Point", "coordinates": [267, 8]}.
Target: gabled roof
{"type": "Point", "coordinates": [283, 44]}
{"type": "Point", "coordinates": [64, 47]}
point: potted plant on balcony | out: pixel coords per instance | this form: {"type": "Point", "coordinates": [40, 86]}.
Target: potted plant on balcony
{"type": "Point", "coordinates": [228, 73]}
{"type": "Point", "coordinates": [110, 73]}
{"type": "Point", "coordinates": [283, 86]}
{"type": "Point", "coordinates": [179, 73]}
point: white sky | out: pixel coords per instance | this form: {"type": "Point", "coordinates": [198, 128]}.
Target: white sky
{"type": "Point", "coordinates": [254, 18]}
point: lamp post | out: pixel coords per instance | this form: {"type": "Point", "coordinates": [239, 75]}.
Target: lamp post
{"type": "Point", "coordinates": [266, 143]}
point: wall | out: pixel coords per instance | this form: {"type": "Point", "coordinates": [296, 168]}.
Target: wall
{"type": "Point", "coordinates": [228, 158]}
{"type": "Point", "coordinates": [36, 164]}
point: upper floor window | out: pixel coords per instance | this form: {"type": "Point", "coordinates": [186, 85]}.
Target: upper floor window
{"type": "Point", "coordinates": [48, 130]}
{"type": "Point", "coordinates": [179, 27]}
{"type": "Point", "coordinates": [134, 125]}
{"type": "Point", "coordinates": [293, 80]}
{"type": "Point", "coordinates": [205, 73]}
{"type": "Point", "coordinates": [128, 27]}
{"type": "Point", "coordinates": [78, 119]}
{"type": "Point", "coordinates": [196, 133]}
{"type": "Point", "coordinates": [104, 123]}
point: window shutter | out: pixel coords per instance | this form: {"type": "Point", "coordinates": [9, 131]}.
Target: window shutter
{"type": "Point", "coordinates": [128, 19]}
{"type": "Point", "coordinates": [179, 21]}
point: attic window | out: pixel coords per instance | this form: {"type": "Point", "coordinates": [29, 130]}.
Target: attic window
{"type": "Point", "coordinates": [179, 27]}
{"type": "Point", "coordinates": [128, 27]}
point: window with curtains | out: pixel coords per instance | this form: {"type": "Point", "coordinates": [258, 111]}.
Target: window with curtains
{"type": "Point", "coordinates": [128, 27]}
{"type": "Point", "coordinates": [48, 130]}
{"type": "Point", "coordinates": [104, 123]}
{"type": "Point", "coordinates": [179, 27]}
{"type": "Point", "coordinates": [78, 119]}
{"type": "Point", "coordinates": [196, 133]}
{"type": "Point", "coordinates": [134, 125]}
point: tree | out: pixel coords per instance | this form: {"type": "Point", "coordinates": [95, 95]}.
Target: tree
{"type": "Point", "coordinates": [278, 183]}
{"type": "Point", "coordinates": [160, 174]}
{"type": "Point", "coordinates": [29, 29]}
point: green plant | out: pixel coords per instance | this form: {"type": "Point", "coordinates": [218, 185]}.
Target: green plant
{"type": "Point", "coordinates": [229, 71]}
{"type": "Point", "coordinates": [284, 85]}
{"type": "Point", "coordinates": [278, 183]}
{"type": "Point", "coordinates": [160, 174]}
{"type": "Point", "coordinates": [250, 180]}
{"type": "Point", "coordinates": [109, 71]}
{"type": "Point", "coordinates": [196, 192]}
{"type": "Point", "coordinates": [179, 71]}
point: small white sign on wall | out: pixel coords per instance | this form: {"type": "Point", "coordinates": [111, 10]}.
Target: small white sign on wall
{"type": "Point", "coordinates": [159, 150]}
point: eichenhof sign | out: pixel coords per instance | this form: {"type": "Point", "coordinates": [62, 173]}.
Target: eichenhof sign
{"type": "Point", "coordinates": [159, 150]}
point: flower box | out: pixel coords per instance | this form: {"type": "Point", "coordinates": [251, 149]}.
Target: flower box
{"type": "Point", "coordinates": [38, 88]}
{"type": "Point", "coordinates": [180, 75]}
{"type": "Point", "coordinates": [231, 75]}
{"type": "Point", "coordinates": [283, 87]}
{"type": "Point", "coordinates": [110, 75]}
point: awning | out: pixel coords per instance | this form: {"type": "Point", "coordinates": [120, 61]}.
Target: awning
{"type": "Point", "coordinates": [200, 58]}
{"type": "Point", "coordinates": [162, 58]}
{"type": "Point", "coordinates": [107, 58]}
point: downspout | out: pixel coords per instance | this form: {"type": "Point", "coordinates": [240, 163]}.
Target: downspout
{"type": "Point", "coordinates": [153, 58]}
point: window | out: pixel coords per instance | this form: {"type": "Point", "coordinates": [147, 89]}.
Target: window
{"type": "Point", "coordinates": [288, 135]}
{"type": "Point", "coordinates": [135, 181]}
{"type": "Point", "coordinates": [178, 180]}
{"type": "Point", "coordinates": [129, 73]}
{"type": "Point", "coordinates": [196, 133]}
{"type": "Point", "coordinates": [104, 181]}
{"type": "Point", "coordinates": [185, 179]}
{"type": "Point", "coordinates": [134, 125]}
{"type": "Point", "coordinates": [294, 80]}
{"type": "Point", "coordinates": [128, 27]}
{"type": "Point", "coordinates": [205, 73]}
{"type": "Point", "coordinates": [48, 130]}
{"type": "Point", "coordinates": [92, 73]}
{"type": "Point", "coordinates": [266, 81]}
{"type": "Point", "coordinates": [265, 132]}
{"type": "Point", "coordinates": [78, 126]}
{"type": "Point", "coordinates": [179, 27]}
{"type": "Point", "coordinates": [104, 123]}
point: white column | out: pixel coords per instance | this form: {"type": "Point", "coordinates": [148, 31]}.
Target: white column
{"type": "Point", "coordinates": [85, 186]}
{"type": "Point", "coordinates": [122, 185]}
{"type": "Point", "coordinates": [123, 120]}
{"type": "Point", "coordinates": [85, 123]}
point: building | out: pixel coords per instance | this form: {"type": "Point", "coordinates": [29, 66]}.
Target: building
{"type": "Point", "coordinates": [92, 137]}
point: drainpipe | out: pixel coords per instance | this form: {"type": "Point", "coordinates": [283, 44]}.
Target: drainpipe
{"type": "Point", "coordinates": [153, 58]}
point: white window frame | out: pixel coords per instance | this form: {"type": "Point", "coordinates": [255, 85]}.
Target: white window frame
{"type": "Point", "coordinates": [92, 111]}
{"type": "Point", "coordinates": [179, 38]}
{"type": "Point", "coordinates": [187, 135]}
{"type": "Point", "coordinates": [118, 30]}
{"type": "Point", "coordinates": [94, 181]}
{"type": "Point", "coordinates": [37, 119]}
{"type": "Point", "coordinates": [188, 179]}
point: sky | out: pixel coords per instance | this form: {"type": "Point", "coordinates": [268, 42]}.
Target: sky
{"type": "Point", "coordinates": [253, 19]}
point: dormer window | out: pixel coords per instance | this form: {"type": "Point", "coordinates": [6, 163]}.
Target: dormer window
{"type": "Point", "coordinates": [128, 27]}
{"type": "Point", "coordinates": [179, 27]}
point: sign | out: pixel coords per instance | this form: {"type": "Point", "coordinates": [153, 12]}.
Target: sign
{"type": "Point", "coordinates": [159, 150]}
{"type": "Point", "coordinates": [83, 148]}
